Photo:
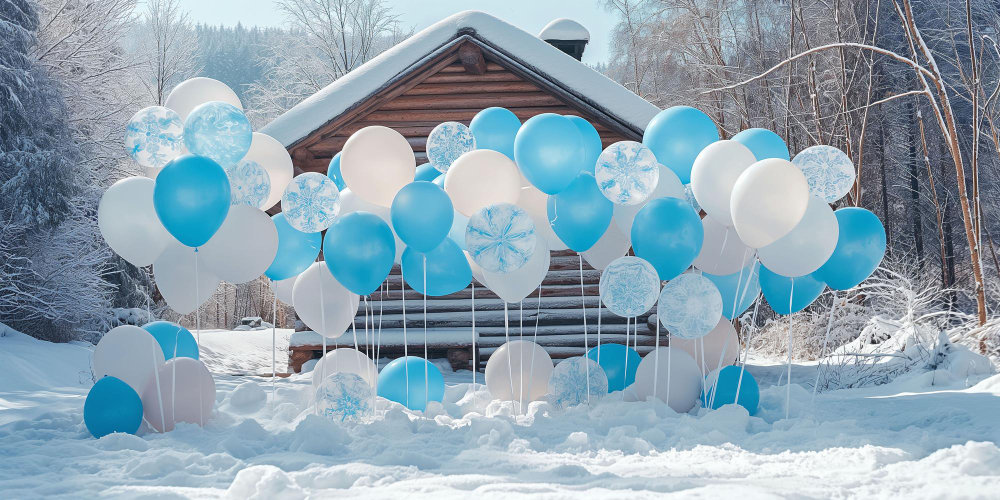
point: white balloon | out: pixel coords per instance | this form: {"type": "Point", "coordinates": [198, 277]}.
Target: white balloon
{"type": "Point", "coordinates": [376, 163]}
{"type": "Point", "coordinates": [769, 199]}
{"type": "Point", "coordinates": [519, 370]}
{"type": "Point", "coordinates": [129, 353]}
{"type": "Point", "coordinates": [535, 202]}
{"type": "Point", "coordinates": [335, 313]}
{"type": "Point", "coordinates": [194, 92]}
{"type": "Point", "coordinates": [275, 160]}
{"type": "Point", "coordinates": [480, 178]}
{"type": "Point", "coordinates": [675, 365]}
{"type": "Point", "coordinates": [722, 336]}
{"type": "Point", "coordinates": [350, 203]}
{"type": "Point", "coordinates": [192, 402]}
{"type": "Point", "coordinates": [613, 244]}
{"type": "Point", "coordinates": [345, 360]}
{"type": "Point", "coordinates": [516, 285]}
{"type": "Point", "coordinates": [668, 186]}
{"type": "Point", "coordinates": [722, 252]}
{"type": "Point", "coordinates": [129, 223]}
{"type": "Point", "coordinates": [714, 173]}
{"type": "Point", "coordinates": [477, 272]}
{"type": "Point", "coordinates": [809, 244]}
{"type": "Point", "coordinates": [243, 247]}
{"type": "Point", "coordinates": [174, 273]}
{"type": "Point", "coordinates": [283, 289]}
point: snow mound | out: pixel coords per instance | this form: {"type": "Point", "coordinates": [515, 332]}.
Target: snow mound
{"type": "Point", "coordinates": [248, 397]}
{"type": "Point", "coordinates": [264, 482]}
{"type": "Point", "coordinates": [564, 29]}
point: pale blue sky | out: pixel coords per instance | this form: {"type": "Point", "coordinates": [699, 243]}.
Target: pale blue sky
{"type": "Point", "coordinates": [529, 15]}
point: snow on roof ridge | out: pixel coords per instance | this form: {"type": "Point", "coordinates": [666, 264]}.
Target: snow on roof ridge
{"type": "Point", "coordinates": [564, 29]}
{"type": "Point", "coordinates": [353, 88]}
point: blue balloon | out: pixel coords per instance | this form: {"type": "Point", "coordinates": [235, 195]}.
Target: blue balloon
{"type": "Point", "coordinates": [550, 151]}
{"type": "Point", "coordinates": [591, 141]}
{"type": "Point", "coordinates": [333, 172]}
{"type": "Point", "coordinates": [403, 381]}
{"type": "Point", "coordinates": [112, 406]}
{"type": "Point", "coordinates": [296, 250]}
{"type": "Point", "coordinates": [723, 391]}
{"type": "Point", "coordinates": [859, 250]}
{"type": "Point", "coordinates": [219, 131]}
{"type": "Point", "coordinates": [359, 250]}
{"type": "Point", "coordinates": [447, 269]}
{"type": "Point", "coordinates": [667, 233]}
{"type": "Point", "coordinates": [612, 358]}
{"type": "Point", "coordinates": [191, 197]}
{"type": "Point", "coordinates": [169, 335]}
{"type": "Point", "coordinates": [422, 214]}
{"type": "Point", "coordinates": [439, 181]}
{"type": "Point", "coordinates": [763, 143]}
{"type": "Point", "coordinates": [425, 172]}
{"type": "Point", "coordinates": [778, 289]}
{"type": "Point", "coordinates": [457, 233]}
{"type": "Point", "coordinates": [580, 214]}
{"type": "Point", "coordinates": [739, 289]}
{"type": "Point", "coordinates": [676, 135]}
{"type": "Point", "coordinates": [495, 128]}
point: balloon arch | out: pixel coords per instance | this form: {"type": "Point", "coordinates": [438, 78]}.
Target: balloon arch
{"type": "Point", "coordinates": [496, 198]}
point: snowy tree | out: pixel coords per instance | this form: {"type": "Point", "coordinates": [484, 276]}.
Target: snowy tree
{"type": "Point", "coordinates": [166, 48]}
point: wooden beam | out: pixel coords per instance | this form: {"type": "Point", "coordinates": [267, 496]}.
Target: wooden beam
{"type": "Point", "coordinates": [472, 58]}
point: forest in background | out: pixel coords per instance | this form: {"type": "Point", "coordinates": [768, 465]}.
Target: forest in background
{"type": "Point", "coordinates": [907, 88]}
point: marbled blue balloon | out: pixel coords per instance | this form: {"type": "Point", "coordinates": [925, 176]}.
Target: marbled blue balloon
{"type": "Point", "coordinates": [829, 171]}
{"type": "Point", "coordinates": [154, 136]}
{"type": "Point", "coordinates": [344, 396]}
{"type": "Point", "coordinates": [311, 202]}
{"type": "Point", "coordinates": [219, 131]}
{"type": "Point", "coordinates": [629, 286]}
{"type": "Point", "coordinates": [500, 238]}
{"type": "Point", "coordinates": [690, 306]}
{"type": "Point", "coordinates": [627, 172]}
{"type": "Point", "coordinates": [249, 183]}
{"type": "Point", "coordinates": [689, 196]}
{"type": "Point", "coordinates": [447, 142]}
{"type": "Point", "coordinates": [568, 382]}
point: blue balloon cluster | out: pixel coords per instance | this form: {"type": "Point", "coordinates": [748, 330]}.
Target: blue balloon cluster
{"type": "Point", "coordinates": [403, 381]}
{"type": "Point", "coordinates": [592, 144]}
{"type": "Point", "coordinates": [763, 143]}
{"type": "Point", "coordinates": [668, 234]}
{"type": "Point", "coordinates": [112, 406]}
{"type": "Point", "coordinates": [618, 362]}
{"type": "Point", "coordinates": [192, 198]}
{"type": "Point", "coordinates": [550, 151]}
{"type": "Point", "coordinates": [741, 289]}
{"type": "Point", "coordinates": [296, 250]}
{"type": "Point", "coordinates": [579, 214]}
{"type": "Point", "coordinates": [359, 250]}
{"type": "Point", "coordinates": [333, 172]}
{"type": "Point", "coordinates": [676, 135]}
{"type": "Point", "coordinates": [495, 129]}
{"type": "Point", "coordinates": [422, 214]}
{"type": "Point", "coordinates": [728, 385]}
{"type": "Point", "coordinates": [447, 269]}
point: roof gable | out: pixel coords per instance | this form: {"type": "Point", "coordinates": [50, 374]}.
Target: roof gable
{"type": "Point", "coordinates": [432, 47]}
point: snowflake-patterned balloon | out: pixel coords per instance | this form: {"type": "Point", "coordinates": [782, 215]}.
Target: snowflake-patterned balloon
{"type": "Point", "coordinates": [829, 171]}
{"type": "Point", "coordinates": [154, 136]}
{"type": "Point", "coordinates": [690, 306]}
{"type": "Point", "coordinates": [249, 183]}
{"type": "Point", "coordinates": [447, 142]}
{"type": "Point", "coordinates": [219, 131]}
{"type": "Point", "coordinates": [627, 172]}
{"type": "Point", "coordinates": [311, 202]}
{"type": "Point", "coordinates": [629, 286]}
{"type": "Point", "coordinates": [501, 238]}
{"type": "Point", "coordinates": [689, 195]}
{"type": "Point", "coordinates": [344, 396]}
{"type": "Point", "coordinates": [568, 382]}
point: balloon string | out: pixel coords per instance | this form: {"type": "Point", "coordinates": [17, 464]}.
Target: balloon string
{"type": "Point", "coordinates": [670, 355]}
{"type": "Point", "coordinates": [520, 367]}
{"type": "Point", "coordinates": [510, 352]}
{"type": "Point", "coordinates": [722, 250]}
{"type": "Point", "coordinates": [322, 326]}
{"type": "Point", "coordinates": [197, 300]}
{"type": "Point", "coordinates": [473, 359]}
{"type": "Point", "coordinates": [156, 371]}
{"type": "Point", "coordinates": [378, 341]}
{"type": "Point", "coordinates": [274, 336]}
{"type": "Point", "coordinates": [427, 383]}
{"type": "Point", "coordinates": [586, 343]}
{"type": "Point", "coordinates": [173, 383]}
{"type": "Point", "coordinates": [538, 308]}
{"type": "Point", "coordinates": [826, 339]}
{"type": "Point", "coordinates": [701, 344]}
{"type": "Point", "coordinates": [625, 373]}
{"type": "Point", "coordinates": [555, 210]}
{"type": "Point", "coordinates": [746, 350]}
{"type": "Point", "coordinates": [599, 309]}
{"type": "Point", "coordinates": [406, 353]}
{"type": "Point", "coordinates": [656, 358]}
{"type": "Point", "coordinates": [736, 299]}
{"type": "Point", "coordinates": [788, 391]}
{"type": "Point", "coordinates": [368, 351]}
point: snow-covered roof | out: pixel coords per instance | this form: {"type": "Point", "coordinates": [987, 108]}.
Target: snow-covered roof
{"type": "Point", "coordinates": [532, 52]}
{"type": "Point", "coordinates": [564, 29]}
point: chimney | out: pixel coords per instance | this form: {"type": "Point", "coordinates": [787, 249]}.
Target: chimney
{"type": "Point", "coordinates": [566, 35]}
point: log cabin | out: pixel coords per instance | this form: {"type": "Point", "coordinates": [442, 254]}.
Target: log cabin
{"type": "Point", "coordinates": [449, 72]}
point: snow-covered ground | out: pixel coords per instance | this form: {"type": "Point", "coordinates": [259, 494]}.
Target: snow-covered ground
{"type": "Point", "coordinates": [907, 439]}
